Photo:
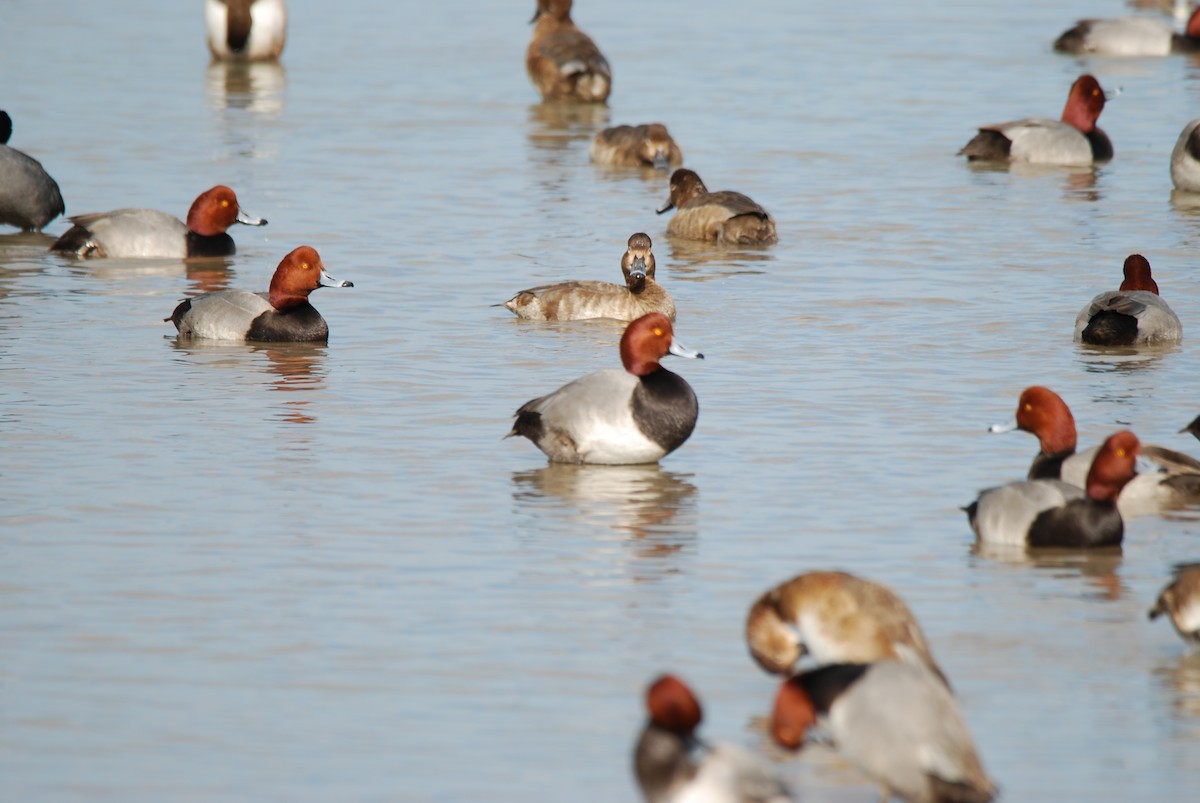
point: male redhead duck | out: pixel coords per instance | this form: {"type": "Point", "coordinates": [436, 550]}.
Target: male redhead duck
{"type": "Point", "coordinates": [1052, 513]}
{"type": "Point", "coordinates": [1075, 140]}
{"type": "Point", "coordinates": [1185, 158]}
{"type": "Point", "coordinates": [150, 233]}
{"type": "Point", "coordinates": [245, 30]}
{"type": "Point", "coordinates": [1181, 601]}
{"type": "Point", "coordinates": [1130, 36]}
{"type": "Point", "coordinates": [29, 198]}
{"type": "Point", "coordinates": [834, 617]}
{"type": "Point", "coordinates": [895, 721]}
{"type": "Point", "coordinates": [581, 300]}
{"type": "Point", "coordinates": [725, 216]}
{"type": "Point", "coordinates": [1133, 315]}
{"type": "Point", "coordinates": [648, 145]}
{"type": "Point", "coordinates": [672, 765]}
{"type": "Point", "coordinates": [281, 315]}
{"type": "Point", "coordinates": [562, 61]}
{"type": "Point", "coordinates": [618, 417]}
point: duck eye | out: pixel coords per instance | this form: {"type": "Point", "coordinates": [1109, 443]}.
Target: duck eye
{"type": "Point", "coordinates": [1028, 407]}
{"type": "Point", "coordinates": [224, 204]}
{"type": "Point", "coordinates": [658, 332]}
{"type": "Point", "coordinates": [303, 266]}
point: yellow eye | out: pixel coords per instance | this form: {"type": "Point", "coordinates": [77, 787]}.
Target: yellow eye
{"type": "Point", "coordinates": [224, 204]}
{"type": "Point", "coordinates": [1120, 452]}
{"type": "Point", "coordinates": [303, 266]}
{"type": "Point", "coordinates": [1028, 406]}
{"type": "Point", "coordinates": [658, 332]}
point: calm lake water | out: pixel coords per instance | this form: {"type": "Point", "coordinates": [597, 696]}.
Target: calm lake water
{"type": "Point", "coordinates": [318, 572]}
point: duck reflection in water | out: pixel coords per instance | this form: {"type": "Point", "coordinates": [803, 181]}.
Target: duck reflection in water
{"type": "Point", "coordinates": [256, 87]}
{"type": "Point", "coordinates": [1098, 568]}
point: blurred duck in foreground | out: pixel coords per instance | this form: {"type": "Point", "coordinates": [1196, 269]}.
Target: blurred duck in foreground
{"type": "Point", "coordinates": [581, 300]}
{"type": "Point", "coordinates": [562, 61]}
{"type": "Point", "coordinates": [1133, 315]}
{"type": "Point", "coordinates": [1181, 601]}
{"type": "Point", "coordinates": [726, 217]}
{"type": "Point", "coordinates": [1051, 513]}
{"type": "Point", "coordinates": [618, 417]}
{"type": "Point", "coordinates": [834, 617]}
{"type": "Point", "coordinates": [895, 721]}
{"type": "Point", "coordinates": [150, 233]}
{"type": "Point", "coordinates": [649, 145]}
{"type": "Point", "coordinates": [1185, 159]}
{"type": "Point", "coordinates": [1043, 413]}
{"type": "Point", "coordinates": [1073, 140]}
{"type": "Point", "coordinates": [245, 30]}
{"type": "Point", "coordinates": [672, 765]}
{"type": "Point", "coordinates": [1130, 36]}
{"type": "Point", "coordinates": [29, 198]}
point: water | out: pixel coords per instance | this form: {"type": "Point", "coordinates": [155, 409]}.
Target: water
{"type": "Point", "coordinates": [318, 572]}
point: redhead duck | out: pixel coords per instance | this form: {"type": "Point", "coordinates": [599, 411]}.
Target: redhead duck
{"type": "Point", "coordinates": [836, 618]}
{"type": "Point", "coordinates": [673, 766]}
{"type": "Point", "coordinates": [1052, 513]}
{"type": "Point", "coordinates": [562, 61]}
{"type": "Point", "coordinates": [246, 30]}
{"type": "Point", "coordinates": [1043, 413]}
{"type": "Point", "coordinates": [897, 722]}
{"type": "Point", "coordinates": [727, 217]}
{"type": "Point", "coordinates": [1185, 159]}
{"type": "Point", "coordinates": [29, 198]}
{"type": "Point", "coordinates": [1130, 36]}
{"type": "Point", "coordinates": [281, 315]}
{"type": "Point", "coordinates": [581, 300]}
{"type": "Point", "coordinates": [1075, 140]}
{"type": "Point", "coordinates": [618, 417]}
{"type": "Point", "coordinates": [150, 233]}
{"type": "Point", "coordinates": [648, 145]}
{"type": "Point", "coordinates": [1133, 315]}
{"type": "Point", "coordinates": [1181, 600]}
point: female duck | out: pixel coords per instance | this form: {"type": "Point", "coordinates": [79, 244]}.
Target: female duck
{"type": "Point", "coordinates": [29, 198]}
{"type": "Point", "coordinates": [649, 145]}
{"type": "Point", "coordinates": [895, 721]}
{"type": "Point", "coordinates": [281, 315]}
{"type": "Point", "coordinates": [836, 618]}
{"type": "Point", "coordinates": [1051, 513]}
{"type": "Point", "coordinates": [1181, 601]}
{"type": "Point", "coordinates": [1130, 36]}
{"type": "Point", "coordinates": [581, 300]}
{"type": "Point", "coordinates": [150, 233]}
{"type": "Point", "coordinates": [672, 765]}
{"type": "Point", "coordinates": [1185, 159]}
{"type": "Point", "coordinates": [562, 61]}
{"type": "Point", "coordinates": [246, 30]}
{"type": "Point", "coordinates": [1075, 140]}
{"type": "Point", "coordinates": [726, 217]}
{"type": "Point", "coordinates": [613, 417]}
{"type": "Point", "coordinates": [1133, 315]}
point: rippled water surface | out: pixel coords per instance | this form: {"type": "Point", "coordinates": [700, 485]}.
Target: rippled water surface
{"type": "Point", "coordinates": [318, 572]}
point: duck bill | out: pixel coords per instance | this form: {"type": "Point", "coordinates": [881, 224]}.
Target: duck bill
{"type": "Point", "coordinates": [661, 162]}
{"type": "Point", "coordinates": [637, 274]}
{"type": "Point", "coordinates": [996, 429]}
{"type": "Point", "coordinates": [329, 281]}
{"type": "Point", "coordinates": [680, 350]}
{"type": "Point", "coordinates": [242, 217]}
{"type": "Point", "coordinates": [666, 208]}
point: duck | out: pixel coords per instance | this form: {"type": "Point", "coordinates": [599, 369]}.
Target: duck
{"type": "Point", "coordinates": [283, 314]}
{"type": "Point", "coordinates": [1130, 36]}
{"type": "Point", "coordinates": [672, 765]}
{"type": "Point", "coordinates": [1053, 513]}
{"type": "Point", "coordinates": [895, 721]}
{"type": "Point", "coordinates": [647, 145]}
{"type": "Point", "coordinates": [1185, 158]}
{"type": "Point", "coordinates": [1133, 315]}
{"type": "Point", "coordinates": [245, 30]}
{"type": "Point", "coordinates": [562, 61]}
{"type": "Point", "coordinates": [726, 217]}
{"type": "Point", "coordinates": [618, 417]}
{"type": "Point", "coordinates": [1075, 140]}
{"type": "Point", "coordinates": [835, 617]}
{"type": "Point", "coordinates": [1193, 427]}
{"type": "Point", "coordinates": [1180, 600]}
{"type": "Point", "coordinates": [29, 197]}
{"type": "Point", "coordinates": [1045, 415]}
{"type": "Point", "coordinates": [150, 233]}
{"type": "Point", "coordinates": [582, 300]}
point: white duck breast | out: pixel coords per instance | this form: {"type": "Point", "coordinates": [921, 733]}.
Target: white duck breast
{"type": "Point", "coordinates": [1004, 515]}
{"type": "Point", "coordinates": [1185, 159]}
{"type": "Point", "coordinates": [1040, 140]}
{"type": "Point", "coordinates": [136, 233]}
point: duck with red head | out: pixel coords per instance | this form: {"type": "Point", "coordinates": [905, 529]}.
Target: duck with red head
{"type": "Point", "coordinates": [672, 765]}
{"type": "Point", "coordinates": [1133, 315]}
{"type": "Point", "coordinates": [150, 233]}
{"type": "Point", "coordinates": [725, 217]}
{"type": "Point", "coordinates": [618, 417]}
{"type": "Point", "coordinates": [283, 314]}
{"type": "Point", "coordinates": [562, 61]}
{"type": "Point", "coordinates": [1130, 36]}
{"type": "Point", "coordinates": [897, 722]}
{"type": "Point", "coordinates": [1073, 140]}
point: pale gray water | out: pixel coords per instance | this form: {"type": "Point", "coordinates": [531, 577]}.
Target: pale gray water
{"type": "Point", "coordinates": [268, 573]}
